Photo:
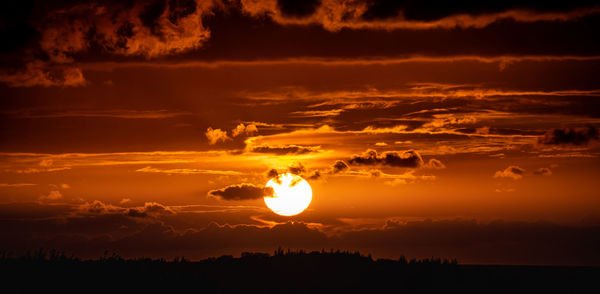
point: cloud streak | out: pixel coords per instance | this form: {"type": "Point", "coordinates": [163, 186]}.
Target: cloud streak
{"type": "Point", "coordinates": [189, 171]}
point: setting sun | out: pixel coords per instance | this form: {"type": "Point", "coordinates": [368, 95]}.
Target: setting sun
{"type": "Point", "coordinates": [291, 194]}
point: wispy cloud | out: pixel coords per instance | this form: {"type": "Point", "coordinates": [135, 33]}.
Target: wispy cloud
{"type": "Point", "coordinates": [16, 185]}
{"type": "Point", "coordinates": [189, 171]}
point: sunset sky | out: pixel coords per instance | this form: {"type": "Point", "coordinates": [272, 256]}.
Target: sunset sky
{"type": "Point", "coordinates": [463, 130]}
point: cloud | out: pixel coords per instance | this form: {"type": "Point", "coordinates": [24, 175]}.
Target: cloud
{"type": "Point", "coordinates": [53, 195]}
{"type": "Point", "coordinates": [216, 135]}
{"type": "Point", "coordinates": [155, 207]}
{"type": "Point", "coordinates": [435, 164]}
{"type": "Point", "coordinates": [443, 120]}
{"type": "Point", "coordinates": [150, 209]}
{"type": "Point", "coordinates": [297, 169]}
{"type": "Point", "coordinates": [34, 170]}
{"type": "Point", "coordinates": [99, 207]}
{"type": "Point", "coordinates": [339, 166]}
{"type": "Point", "coordinates": [70, 33]}
{"type": "Point", "coordinates": [409, 158]}
{"type": "Point", "coordinates": [284, 149]}
{"type": "Point", "coordinates": [242, 192]}
{"type": "Point", "coordinates": [28, 162]}
{"type": "Point", "coordinates": [188, 171]}
{"type": "Point", "coordinates": [513, 172]}
{"type": "Point", "coordinates": [242, 129]}
{"type": "Point", "coordinates": [389, 15]}
{"type": "Point", "coordinates": [543, 171]}
{"type": "Point", "coordinates": [570, 136]}
{"type": "Point", "coordinates": [272, 173]}
{"type": "Point", "coordinates": [144, 28]}
{"type": "Point", "coordinates": [43, 74]}
{"type": "Point", "coordinates": [16, 185]}
{"type": "Point", "coordinates": [434, 10]}
{"type": "Point", "coordinates": [137, 28]}
{"type": "Point", "coordinates": [315, 175]}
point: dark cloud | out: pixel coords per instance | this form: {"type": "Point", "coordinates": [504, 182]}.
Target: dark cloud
{"type": "Point", "coordinates": [242, 192]}
{"type": "Point", "coordinates": [339, 166]}
{"type": "Point", "coordinates": [297, 169]}
{"type": "Point", "coordinates": [436, 9]}
{"type": "Point", "coordinates": [315, 175]}
{"type": "Point", "coordinates": [134, 212]}
{"type": "Point", "coordinates": [45, 42]}
{"type": "Point", "coordinates": [285, 149]}
{"type": "Point", "coordinates": [295, 8]}
{"type": "Point", "coordinates": [570, 136]}
{"type": "Point", "coordinates": [272, 173]}
{"type": "Point", "coordinates": [150, 209]}
{"type": "Point", "coordinates": [409, 158]}
{"type": "Point", "coordinates": [67, 30]}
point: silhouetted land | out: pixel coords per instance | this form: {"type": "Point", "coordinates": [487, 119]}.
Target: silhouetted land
{"type": "Point", "coordinates": [283, 272]}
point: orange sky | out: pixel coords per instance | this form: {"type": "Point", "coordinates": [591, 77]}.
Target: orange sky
{"type": "Point", "coordinates": [467, 133]}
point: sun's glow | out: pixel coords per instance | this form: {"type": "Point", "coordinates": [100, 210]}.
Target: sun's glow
{"type": "Point", "coordinates": [291, 194]}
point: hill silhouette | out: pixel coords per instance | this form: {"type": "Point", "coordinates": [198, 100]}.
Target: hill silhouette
{"type": "Point", "coordinates": [283, 272]}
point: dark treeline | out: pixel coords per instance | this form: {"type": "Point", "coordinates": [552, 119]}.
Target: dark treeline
{"type": "Point", "coordinates": [282, 272]}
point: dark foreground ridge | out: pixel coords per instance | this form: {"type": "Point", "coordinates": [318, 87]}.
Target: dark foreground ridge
{"type": "Point", "coordinates": [283, 272]}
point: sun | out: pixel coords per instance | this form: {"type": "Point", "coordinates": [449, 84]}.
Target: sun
{"type": "Point", "coordinates": [291, 194]}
